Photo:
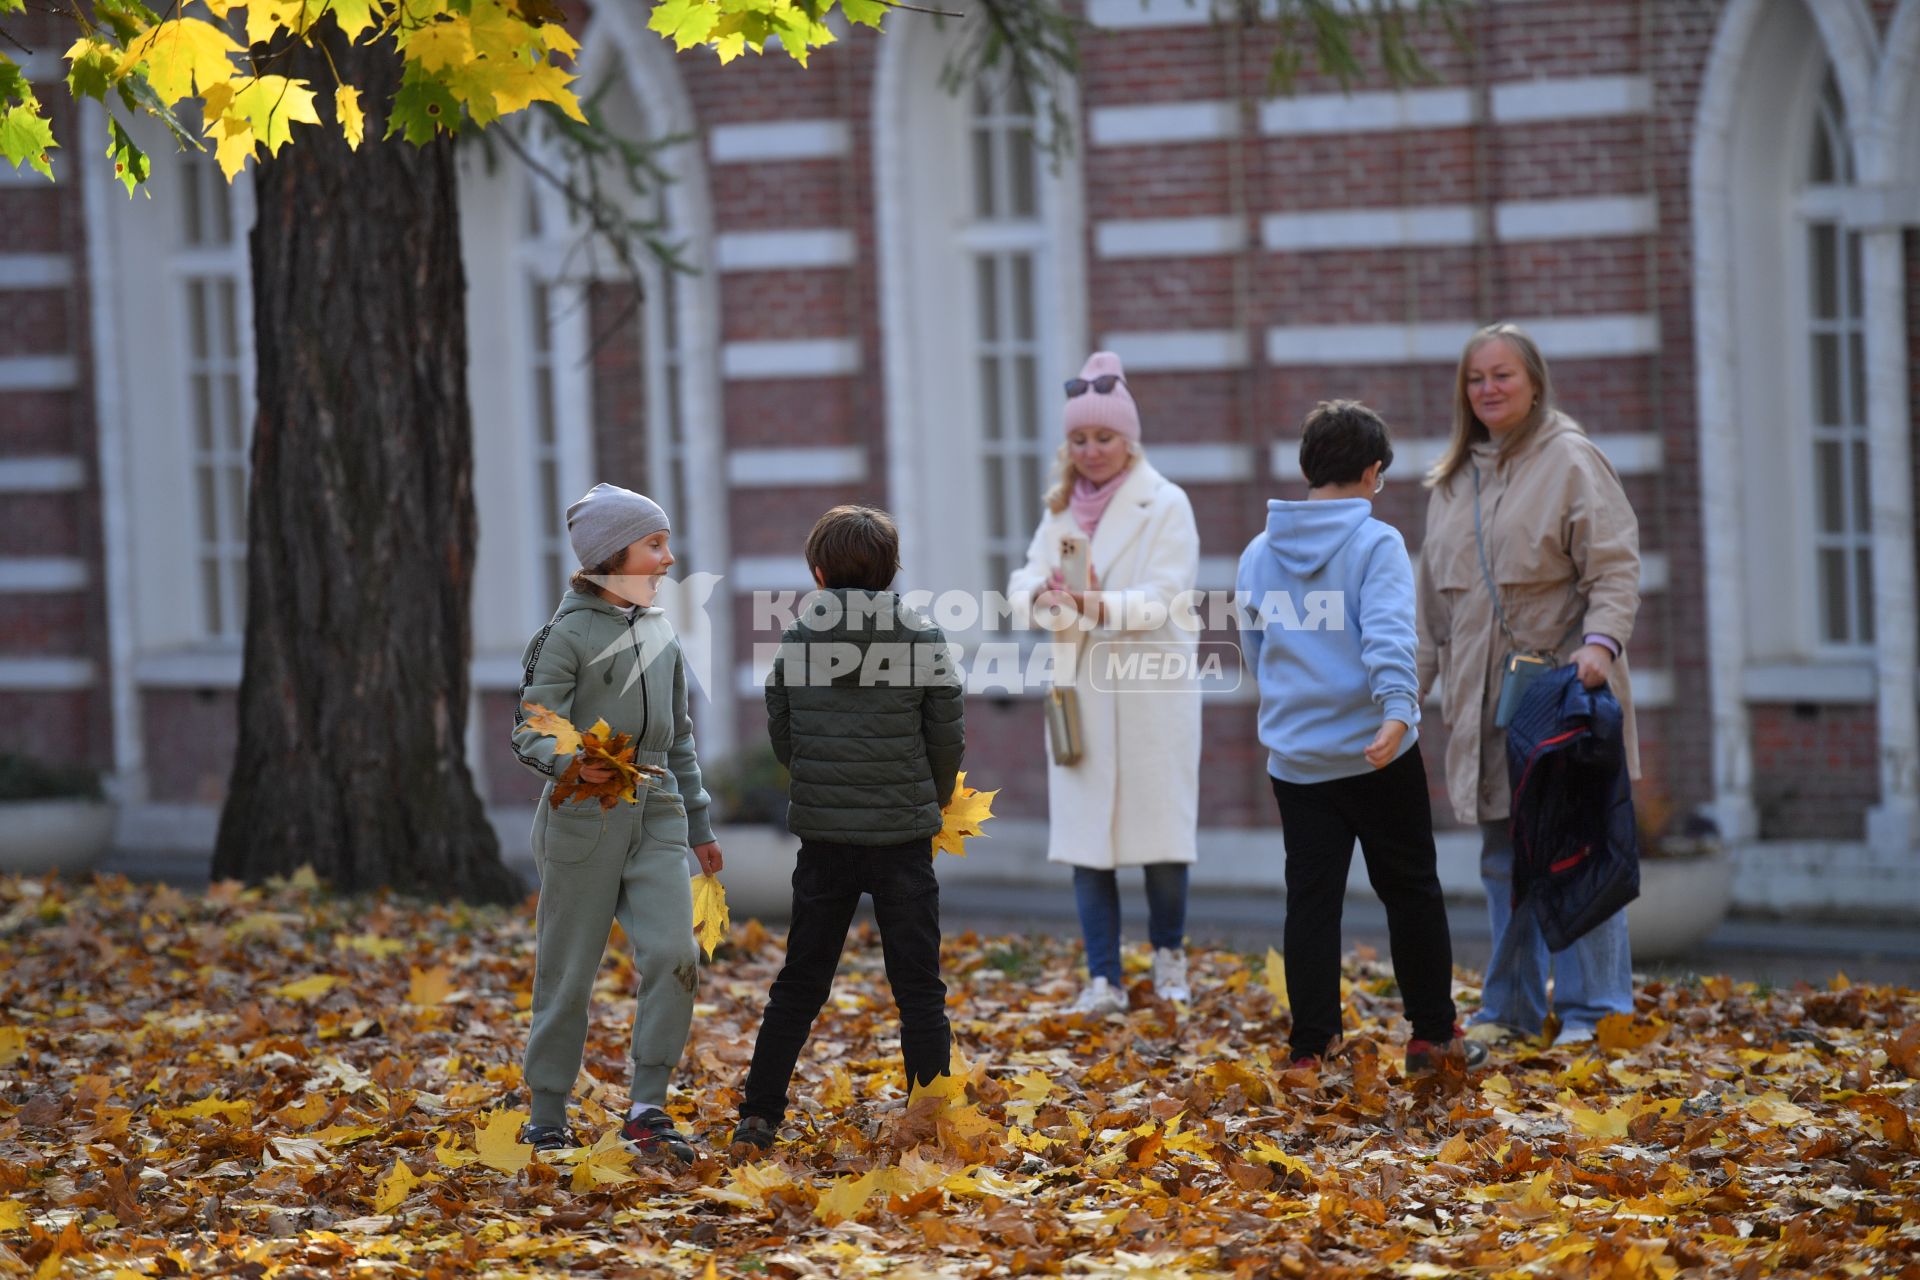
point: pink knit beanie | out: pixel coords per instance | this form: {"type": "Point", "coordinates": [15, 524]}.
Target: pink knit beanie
{"type": "Point", "coordinates": [1114, 410]}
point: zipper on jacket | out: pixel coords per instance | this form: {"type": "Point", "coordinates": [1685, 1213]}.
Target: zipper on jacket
{"type": "Point", "coordinates": [646, 708]}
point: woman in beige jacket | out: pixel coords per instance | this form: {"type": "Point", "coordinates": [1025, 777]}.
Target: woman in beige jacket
{"type": "Point", "coordinates": [1563, 546]}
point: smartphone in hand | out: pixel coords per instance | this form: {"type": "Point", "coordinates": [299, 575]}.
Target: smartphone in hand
{"type": "Point", "coordinates": [1074, 562]}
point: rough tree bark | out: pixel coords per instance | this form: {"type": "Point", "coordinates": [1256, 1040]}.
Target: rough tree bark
{"type": "Point", "coordinates": [361, 526]}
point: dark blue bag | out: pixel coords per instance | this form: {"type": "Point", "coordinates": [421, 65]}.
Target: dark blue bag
{"type": "Point", "coordinates": [1576, 853]}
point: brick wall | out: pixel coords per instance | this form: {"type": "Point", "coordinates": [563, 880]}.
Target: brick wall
{"type": "Point", "coordinates": [188, 734]}
{"type": "Point", "coordinates": [45, 219]}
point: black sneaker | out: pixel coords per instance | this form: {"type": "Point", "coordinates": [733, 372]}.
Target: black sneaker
{"type": "Point", "coordinates": [652, 1132]}
{"type": "Point", "coordinates": [548, 1137]}
{"type": "Point", "coordinates": [756, 1132]}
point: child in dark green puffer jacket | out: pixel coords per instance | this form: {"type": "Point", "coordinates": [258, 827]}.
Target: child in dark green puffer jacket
{"type": "Point", "coordinates": [865, 708]}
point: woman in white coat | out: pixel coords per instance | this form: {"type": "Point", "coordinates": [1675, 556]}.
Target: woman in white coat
{"type": "Point", "coordinates": [1132, 799]}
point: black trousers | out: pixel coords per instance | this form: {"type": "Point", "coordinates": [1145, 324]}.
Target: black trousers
{"type": "Point", "coordinates": [828, 880]}
{"type": "Point", "coordinates": [1387, 810]}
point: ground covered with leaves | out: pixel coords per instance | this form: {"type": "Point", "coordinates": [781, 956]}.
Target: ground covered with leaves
{"type": "Point", "coordinates": [280, 1082]}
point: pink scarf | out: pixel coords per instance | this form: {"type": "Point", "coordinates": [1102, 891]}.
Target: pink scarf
{"type": "Point", "coordinates": [1088, 501]}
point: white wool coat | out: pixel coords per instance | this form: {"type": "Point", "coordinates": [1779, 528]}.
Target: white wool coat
{"type": "Point", "coordinates": [1134, 796]}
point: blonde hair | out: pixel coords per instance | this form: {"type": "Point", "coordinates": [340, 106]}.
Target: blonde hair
{"type": "Point", "coordinates": [1064, 473]}
{"type": "Point", "coordinates": [1468, 430]}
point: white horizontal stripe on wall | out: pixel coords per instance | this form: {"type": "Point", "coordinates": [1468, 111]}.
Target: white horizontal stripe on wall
{"type": "Point", "coordinates": [781, 468]}
{"type": "Point", "coordinates": [42, 475]}
{"type": "Point", "coordinates": [45, 675]}
{"type": "Point", "coordinates": [42, 573]}
{"type": "Point", "coordinates": [771, 573]}
{"type": "Point", "coordinates": [783, 250]}
{"type": "Point", "coordinates": [1596, 216]}
{"type": "Point", "coordinates": [778, 140]}
{"type": "Point", "coordinates": [1807, 682]}
{"type": "Point", "coordinates": [1161, 122]}
{"type": "Point", "coordinates": [1168, 237]}
{"type": "Point", "coordinates": [38, 373]}
{"type": "Point", "coordinates": [796, 358]}
{"type": "Point", "coordinates": [1313, 113]}
{"type": "Point", "coordinates": [1442, 224]}
{"type": "Point", "coordinates": [35, 270]}
{"type": "Point", "coordinates": [1202, 463]}
{"type": "Point", "coordinates": [1156, 351]}
{"type": "Point", "coordinates": [1565, 338]}
{"type": "Point", "coordinates": [1370, 228]}
{"type": "Point", "coordinates": [1632, 453]}
{"type": "Point", "coordinates": [204, 668]}
{"type": "Point", "coordinates": [1572, 98]}
{"type": "Point", "coordinates": [1146, 15]}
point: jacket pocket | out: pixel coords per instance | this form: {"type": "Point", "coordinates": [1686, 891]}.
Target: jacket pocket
{"type": "Point", "coordinates": [666, 819]}
{"type": "Point", "coordinates": [572, 834]}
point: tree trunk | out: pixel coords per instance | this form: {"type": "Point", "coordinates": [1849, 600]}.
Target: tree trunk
{"type": "Point", "coordinates": [360, 524]}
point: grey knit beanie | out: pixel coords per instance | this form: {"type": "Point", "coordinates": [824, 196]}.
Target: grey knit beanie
{"type": "Point", "coordinates": [603, 524]}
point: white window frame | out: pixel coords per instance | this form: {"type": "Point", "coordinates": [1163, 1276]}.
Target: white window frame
{"type": "Point", "coordinates": [929, 235]}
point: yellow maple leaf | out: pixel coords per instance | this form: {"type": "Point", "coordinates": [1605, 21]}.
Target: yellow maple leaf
{"type": "Point", "coordinates": [269, 105]}
{"type": "Point", "coordinates": [13, 1216]}
{"type": "Point", "coordinates": [1774, 1109]}
{"type": "Point", "coordinates": [848, 1197]}
{"type": "Point", "coordinates": [180, 54]}
{"type": "Point", "coordinates": [372, 945]}
{"type": "Point", "coordinates": [608, 1163]}
{"type": "Point", "coordinates": [440, 45]}
{"type": "Point", "coordinates": [1035, 1086]}
{"type": "Point", "coordinates": [710, 918]}
{"type": "Point", "coordinates": [1616, 1121]}
{"type": "Point", "coordinates": [1619, 1031]}
{"type": "Point", "coordinates": [963, 817]}
{"type": "Point", "coordinates": [517, 85]}
{"type": "Point", "coordinates": [231, 1111]}
{"type": "Point", "coordinates": [449, 1153]}
{"type": "Point", "coordinates": [395, 1187]}
{"type": "Point", "coordinates": [1274, 978]}
{"type": "Point", "coordinates": [353, 121]}
{"type": "Point", "coordinates": [429, 986]}
{"type": "Point", "coordinates": [498, 1141]}
{"type": "Point", "coordinates": [308, 988]}
{"type": "Point", "coordinates": [838, 1090]}
{"type": "Point", "coordinates": [267, 18]}
{"type": "Point", "coordinates": [13, 1045]}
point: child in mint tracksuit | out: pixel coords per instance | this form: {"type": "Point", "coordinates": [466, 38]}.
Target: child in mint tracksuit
{"type": "Point", "coordinates": [1327, 627]}
{"type": "Point", "coordinates": [608, 655]}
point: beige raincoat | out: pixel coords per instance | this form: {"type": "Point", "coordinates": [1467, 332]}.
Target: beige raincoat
{"type": "Point", "coordinates": [1564, 547]}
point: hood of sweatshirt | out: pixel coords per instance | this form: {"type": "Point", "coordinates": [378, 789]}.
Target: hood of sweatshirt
{"type": "Point", "coordinates": [592, 601]}
{"type": "Point", "coordinates": [1306, 536]}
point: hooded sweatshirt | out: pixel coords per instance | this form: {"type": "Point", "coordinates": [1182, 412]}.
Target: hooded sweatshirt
{"type": "Point", "coordinates": [1327, 628]}
{"type": "Point", "coordinates": [597, 661]}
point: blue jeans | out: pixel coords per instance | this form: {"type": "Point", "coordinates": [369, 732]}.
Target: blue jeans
{"type": "Point", "coordinates": [1591, 979]}
{"type": "Point", "coordinates": [1097, 894]}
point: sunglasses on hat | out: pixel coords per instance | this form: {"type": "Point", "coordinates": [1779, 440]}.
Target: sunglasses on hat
{"type": "Point", "coordinates": [1104, 384]}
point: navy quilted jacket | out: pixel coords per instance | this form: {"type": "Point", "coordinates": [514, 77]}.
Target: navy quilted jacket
{"type": "Point", "coordinates": [1576, 854]}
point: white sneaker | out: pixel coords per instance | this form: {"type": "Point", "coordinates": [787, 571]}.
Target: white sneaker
{"type": "Point", "coordinates": [1170, 974]}
{"type": "Point", "coordinates": [1098, 999]}
{"type": "Point", "coordinates": [1572, 1034]}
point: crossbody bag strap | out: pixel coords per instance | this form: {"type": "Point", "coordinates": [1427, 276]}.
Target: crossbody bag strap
{"type": "Point", "coordinates": [1486, 571]}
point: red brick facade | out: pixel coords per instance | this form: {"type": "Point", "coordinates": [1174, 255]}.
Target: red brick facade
{"type": "Point", "coordinates": [1814, 762]}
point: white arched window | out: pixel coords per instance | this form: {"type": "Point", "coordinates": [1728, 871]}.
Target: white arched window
{"type": "Point", "coordinates": [983, 310]}
{"type": "Point", "coordinates": [1841, 535]}
{"type": "Point", "coordinates": [183, 358]}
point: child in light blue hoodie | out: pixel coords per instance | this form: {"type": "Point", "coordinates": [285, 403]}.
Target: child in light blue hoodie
{"type": "Point", "coordinates": [1327, 628]}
